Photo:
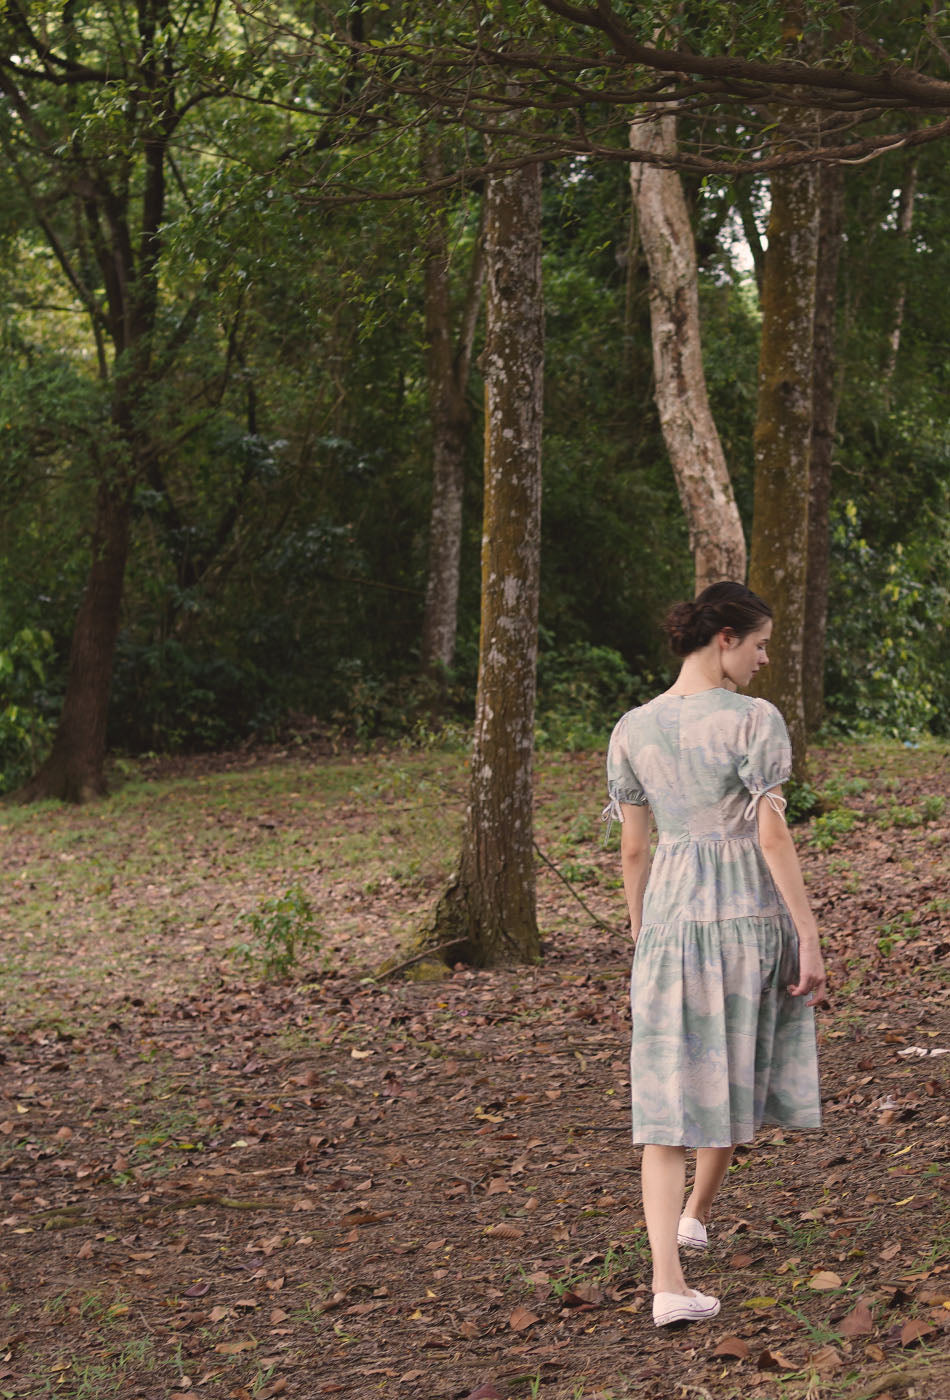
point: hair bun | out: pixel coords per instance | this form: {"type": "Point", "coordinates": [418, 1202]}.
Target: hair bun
{"type": "Point", "coordinates": [690, 625]}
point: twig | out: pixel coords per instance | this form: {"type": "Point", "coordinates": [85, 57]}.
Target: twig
{"type": "Point", "coordinates": [889, 1378]}
{"type": "Point", "coordinates": [564, 880]}
{"type": "Point", "coordinates": [417, 957]}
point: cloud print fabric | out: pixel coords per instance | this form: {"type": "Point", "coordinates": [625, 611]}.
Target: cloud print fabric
{"type": "Point", "coordinates": [719, 1047]}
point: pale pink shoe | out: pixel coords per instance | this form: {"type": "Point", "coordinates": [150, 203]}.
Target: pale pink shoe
{"type": "Point", "coordinates": [679, 1307]}
{"type": "Point", "coordinates": [691, 1233]}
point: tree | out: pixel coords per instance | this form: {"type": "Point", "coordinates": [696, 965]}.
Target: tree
{"type": "Point", "coordinates": [94, 98]}
{"type": "Point", "coordinates": [779, 550]}
{"type": "Point", "coordinates": [488, 915]}
{"type": "Point", "coordinates": [824, 417]}
{"type": "Point", "coordinates": [715, 530]}
{"type": "Point", "coordinates": [448, 360]}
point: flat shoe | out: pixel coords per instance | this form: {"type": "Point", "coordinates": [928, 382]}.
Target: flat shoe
{"type": "Point", "coordinates": [679, 1307]}
{"type": "Point", "coordinates": [691, 1233]}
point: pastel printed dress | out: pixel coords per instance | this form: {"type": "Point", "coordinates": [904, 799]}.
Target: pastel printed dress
{"type": "Point", "coordinates": [719, 1047]}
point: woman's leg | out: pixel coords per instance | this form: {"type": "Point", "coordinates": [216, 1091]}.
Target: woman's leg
{"type": "Point", "coordinates": [712, 1163]}
{"type": "Point", "coordinates": [663, 1174]}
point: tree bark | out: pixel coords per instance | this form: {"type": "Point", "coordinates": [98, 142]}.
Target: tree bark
{"type": "Point", "coordinates": [489, 907]}
{"type": "Point", "coordinates": [447, 365]}
{"type": "Point", "coordinates": [779, 552]}
{"type": "Point", "coordinates": [699, 466]}
{"type": "Point", "coordinates": [74, 770]}
{"type": "Point", "coordinates": [905, 220]}
{"type": "Point", "coordinates": [825, 391]}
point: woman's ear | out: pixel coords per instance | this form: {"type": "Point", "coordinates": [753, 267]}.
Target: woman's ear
{"type": "Point", "coordinates": [727, 639]}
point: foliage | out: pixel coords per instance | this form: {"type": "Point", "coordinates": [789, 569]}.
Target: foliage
{"type": "Point", "coordinates": [27, 710]}
{"type": "Point", "coordinates": [280, 932]}
{"type": "Point", "coordinates": [889, 607]}
{"type": "Point", "coordinates": [582, 692]}
{"type": "Point", "coordinates": [803, 801]}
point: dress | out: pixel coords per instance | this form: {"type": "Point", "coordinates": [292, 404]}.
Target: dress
{"type": "Point", "coordinates": [719, 1047]}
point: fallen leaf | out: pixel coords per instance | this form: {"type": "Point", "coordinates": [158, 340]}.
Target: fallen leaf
{"type": "Point", "coordinates": [469, 1330]}
{"type": "Point", "coordinates": [485, 1392]}
{"type": "Point", "coordinates": [858, 1322]}
{"type": "Point", "coordinates": [520, 1320]}
{"type": "Point", "coordinates": [740, 1261]}
{"type": "Point", "coordinates": [505, 1232]}
{"type": "Point", "coordinates": [235, 1348]}
{"type": "Point", "coordinates": [875, 1352]}
{"type": "Point", "coordinates": [827, 1359]}
{"type": "Point", "coordinates": [497, 1186]}
{"type": "Point", "coordinates": [914, 1331]}
{"type": "Point", "coordinates": [890, 1251]}
{"type": "Point", "coordinates": [824, 1280]}
{"type": "Point", "coordinates": [774, 1361]}
{"type": "Point", "coordinates": [760, 1303]}
{"type": "Point", "coordinates": [197, 1290]}
{"type": "Point", "coordinates": [732, 1346]}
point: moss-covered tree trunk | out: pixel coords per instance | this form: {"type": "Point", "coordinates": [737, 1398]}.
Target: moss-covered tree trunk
{"type": "Point", "coordinates": [825, 390]}
{"type": "Point", "coordinates": [448, 360]}
{"type": "Point", "coordinates": [696, 455]}
{"type": "Point", "coordinates": [488, 913]}
{"type": "Point", "coordinates": [779, 547]}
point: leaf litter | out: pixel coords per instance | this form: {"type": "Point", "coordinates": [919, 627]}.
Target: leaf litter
{"type": "Point", "coordinates": [221, 1187]}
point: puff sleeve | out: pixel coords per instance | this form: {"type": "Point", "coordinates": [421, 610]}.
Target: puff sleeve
{"type": "Point", "coordinates": [623, 785]}
{"type": "Point", "coordinates": [766, 760]}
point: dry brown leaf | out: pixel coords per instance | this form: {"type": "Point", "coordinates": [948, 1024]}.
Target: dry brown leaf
{"type": "Point", "coordinates": [469, 1330]}
{"type": "Point", "coordinates": [520, 1320]}
{"type": "Point", "coordinates": [235, 1348]}
{"type": "Point", "coordinates": [485, 1392]}
{"type": "Point", "coordinates": [890, 1251]}
{"type": "Point", "coordinates": [733, 1346]}
{"type": "Point", "coordinates": [505, 1232]}
{"type": "Point", "coordinates": [774, 1361]}
{"type": "Point", "coordinates": [914, 1331]}
{"type": "Point", "coordinates": [740, 1261]}
{"type": "Point", "coordinates": [858, 1322]}
{"type": "Point", "coordinates": [826, 1360]}
{"type": "Point", "coordinates": [875, 1352]}
{"type": "Point", "coordinates": [497, 1186]}
{"type": "Point", "coordinates": [824, 1280]}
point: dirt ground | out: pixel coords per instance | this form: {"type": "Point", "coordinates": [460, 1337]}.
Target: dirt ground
{"type": "Point", "coordinates": [215, 1186]}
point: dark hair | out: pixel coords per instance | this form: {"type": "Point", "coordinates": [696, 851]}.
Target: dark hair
{"type": "Point", "coordinates": [690, 626]}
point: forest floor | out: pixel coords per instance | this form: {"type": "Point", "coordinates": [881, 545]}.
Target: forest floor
{"type": "Point", "coordinates": [214, 1184]}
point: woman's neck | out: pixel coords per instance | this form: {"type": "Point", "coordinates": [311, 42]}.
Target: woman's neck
{"type": "Point", "coordinates": [701, 670]}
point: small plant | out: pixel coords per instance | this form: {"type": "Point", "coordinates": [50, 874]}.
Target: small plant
{"type": "Point", "coordinates": [932, 806]}
{"type": "Point", "coordinates": [828, 828]}
{"type": "Point", "coordinates": [803, 801]}
{"type": "Point", "coordinates": [282, 929]}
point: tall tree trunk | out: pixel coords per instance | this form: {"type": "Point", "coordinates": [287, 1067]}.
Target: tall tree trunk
{"type": "Point", "coordinates": [779, 551]}
{"type": "Point", "coordinates": [73, 772]}
{"type": "Point", "coordinates": [448, 361]}
{"type": "Point", "coordinates": [905, 220]}
{"type": "Point", "coordinates": [488, 911]}
{"type": "Point", "coordinates": [699, 466]}
{"type": "Point", "coordinates": [825, 391]}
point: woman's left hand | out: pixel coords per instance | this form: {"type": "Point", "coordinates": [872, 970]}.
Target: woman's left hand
{"type": "Point", "coordinates": [811, 973]}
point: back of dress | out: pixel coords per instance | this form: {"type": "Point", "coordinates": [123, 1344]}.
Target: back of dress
{"type": "Point", "coordinates": [718, 1044]}
{"type": "Point", "coordinates": [702, 762]}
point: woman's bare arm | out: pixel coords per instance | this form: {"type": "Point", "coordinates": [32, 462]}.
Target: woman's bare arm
{"type": "Point", "coordinates": [778, 848]}
{"type": "Point", "coordinates": [635, 860]}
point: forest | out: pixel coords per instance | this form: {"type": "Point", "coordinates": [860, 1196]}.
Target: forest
{"type": "Point", "coordinates": [375, 375]}
{"type": "Point", "coordinates": [243, 382]}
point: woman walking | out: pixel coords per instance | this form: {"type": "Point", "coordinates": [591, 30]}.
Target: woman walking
{"type": "Point", "coordinates": [727, 964]}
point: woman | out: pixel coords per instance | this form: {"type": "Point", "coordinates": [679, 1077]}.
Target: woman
{"type": "Point", "coordinates": [727, 964]}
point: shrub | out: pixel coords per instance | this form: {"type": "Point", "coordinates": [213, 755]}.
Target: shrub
{"type": "Point", "coordinates": [26, 709]}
